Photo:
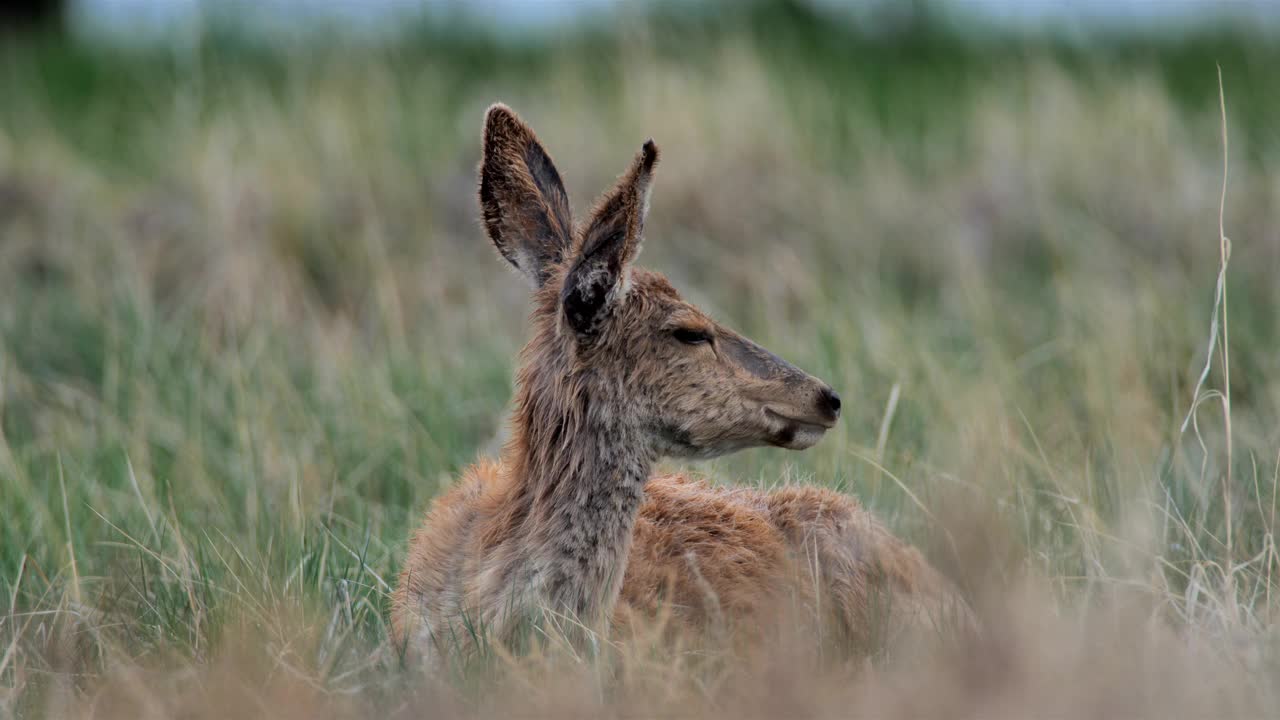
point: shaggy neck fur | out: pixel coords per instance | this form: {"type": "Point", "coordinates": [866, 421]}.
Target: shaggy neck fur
{"type": "Point", "coordinates": [579, 469]}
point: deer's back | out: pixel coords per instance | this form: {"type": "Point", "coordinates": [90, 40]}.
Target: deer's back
{"type": "Point", "coordinates": [749, 557]}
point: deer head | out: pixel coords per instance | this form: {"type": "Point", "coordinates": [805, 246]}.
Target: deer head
{"type": "Point", "coordinates": [615, 344]}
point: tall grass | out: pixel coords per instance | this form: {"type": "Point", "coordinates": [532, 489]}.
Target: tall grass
{"type": "Point", "coordinates": [250, 328]}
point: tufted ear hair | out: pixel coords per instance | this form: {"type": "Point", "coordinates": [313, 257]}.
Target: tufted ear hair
{"type": "Point", "coordinates": [597, 278]}
{"type": "Point", "coordinates": [524, 204]}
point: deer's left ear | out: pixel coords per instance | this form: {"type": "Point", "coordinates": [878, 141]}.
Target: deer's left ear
{"type": "Point", "coordinates": [597, 278]}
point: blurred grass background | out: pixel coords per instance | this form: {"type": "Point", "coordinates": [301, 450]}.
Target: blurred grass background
{"type": "Point", "coordinates": [249, 326]}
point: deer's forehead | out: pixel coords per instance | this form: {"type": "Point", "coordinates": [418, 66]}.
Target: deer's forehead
{"type": "Point", "coordinates": [654, 286]}
{"type": "Point", "coordinates": [656, 301]}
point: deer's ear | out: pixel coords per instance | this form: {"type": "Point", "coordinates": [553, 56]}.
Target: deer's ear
{"type": "Point", "coordinates": [597, 278]}
{"type": "Point", "coordinates": [525, 208]}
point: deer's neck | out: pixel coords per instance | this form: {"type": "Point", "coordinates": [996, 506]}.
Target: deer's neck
{"type": "Point", "coordinates": [580, 473]}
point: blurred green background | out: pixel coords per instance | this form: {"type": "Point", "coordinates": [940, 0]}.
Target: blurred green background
{"type": "Point", "coordinates": [249, 325]}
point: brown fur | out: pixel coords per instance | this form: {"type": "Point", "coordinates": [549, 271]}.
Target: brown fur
{"type": "Point", "coordinates": [620, 372]}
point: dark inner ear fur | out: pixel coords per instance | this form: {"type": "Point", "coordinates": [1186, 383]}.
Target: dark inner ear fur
{"type": "Point", "coordinates": [609, 243]}
{"type": "Point", "coordinates": [522, 199]}
{"type": "Point", "coordinates": [586, 289]}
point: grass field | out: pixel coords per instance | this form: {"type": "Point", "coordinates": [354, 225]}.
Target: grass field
{"type": "Point", "coordinates": [249, 327]}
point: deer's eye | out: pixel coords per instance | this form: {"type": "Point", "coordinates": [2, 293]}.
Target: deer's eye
{"type": "Point", "coordinates": [689, 336]}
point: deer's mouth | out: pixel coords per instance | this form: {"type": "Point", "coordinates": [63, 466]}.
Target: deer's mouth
{"type": "Point", "coordinates": [795, 433]}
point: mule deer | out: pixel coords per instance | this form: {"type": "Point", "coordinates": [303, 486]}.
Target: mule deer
{"type": "Point", "coordinates": [620, 372]}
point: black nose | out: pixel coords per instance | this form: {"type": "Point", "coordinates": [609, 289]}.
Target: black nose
{"type": "Point", "coordinates": [832, 401]}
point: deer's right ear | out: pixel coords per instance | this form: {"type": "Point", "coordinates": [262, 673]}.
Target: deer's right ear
{"type": "Point", "coordinates": [610, 242]}
{"type": "Point", "coordinates": [525, 207]}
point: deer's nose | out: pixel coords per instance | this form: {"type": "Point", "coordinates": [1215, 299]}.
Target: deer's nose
{"type": "Point", "coordinates": [831, 402]}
